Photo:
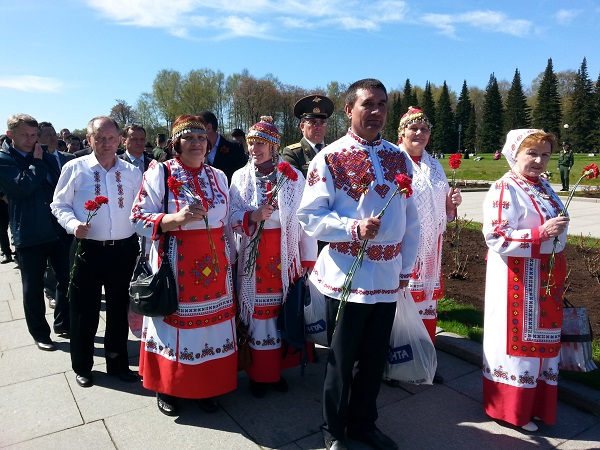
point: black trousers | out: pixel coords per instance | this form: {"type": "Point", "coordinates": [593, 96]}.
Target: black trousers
{"type": "Point", "coordinates": [4, 222]}
{"type": "Point", "coordinates": [98, 266]}
{"type": "Point", "coordinates": [362, 334]}
{"type": "Point", "coordinates": [32, 262]}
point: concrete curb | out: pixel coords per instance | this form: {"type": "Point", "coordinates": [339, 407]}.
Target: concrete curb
{"type": "Point", "coordinates": [571, 392]}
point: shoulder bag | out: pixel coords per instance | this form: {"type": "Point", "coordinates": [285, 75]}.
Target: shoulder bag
{"type": "Point", "coordinates": [154, 294]}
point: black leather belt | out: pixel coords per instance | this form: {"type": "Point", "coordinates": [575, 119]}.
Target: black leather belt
{"type": "Point", "coordinates": [117, 243]}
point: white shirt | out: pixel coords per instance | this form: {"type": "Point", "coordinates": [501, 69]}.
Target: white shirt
{"type": "Point", "coordinates": [213, 151]}
{"type": "Point", "coordinates": [137, 162]}
{"type": "Point", "coordinates": [333, 204]}
{"type": "Point", "coordinates": [83, 179]}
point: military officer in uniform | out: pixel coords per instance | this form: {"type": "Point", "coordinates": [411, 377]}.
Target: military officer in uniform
{"type": "Point", "coordinates": [313, 112]}
{"type": "Point", "coordinates": [566, 159]}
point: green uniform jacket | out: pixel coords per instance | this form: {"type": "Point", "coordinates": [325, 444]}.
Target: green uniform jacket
{"type": "Point", "coordinates": [566, 159]}
{"type": "Point", "coordinates": [299, 155]}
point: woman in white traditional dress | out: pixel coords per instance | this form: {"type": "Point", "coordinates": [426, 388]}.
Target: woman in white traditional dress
{"type": "Point", "coordinates": [191, 353]}
{"type": "Point", "coordinates": [524, 285]}
{"type": "Point", "coordinates": [437, 203]}
{"type": "Point", "coordinates": [285, 252]}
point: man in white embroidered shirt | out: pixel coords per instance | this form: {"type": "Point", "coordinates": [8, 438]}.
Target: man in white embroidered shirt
{"type": "Point", "coordinates": [108, 246]}
{"type": "Point", "coordinates": [347, 186]}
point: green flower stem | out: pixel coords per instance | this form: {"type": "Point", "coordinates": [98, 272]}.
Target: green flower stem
{"type": "Point", "coordinates": [563, 213]}
{"type": "Point", "coordinates": [253, 244]}
{"type": "Point", "coordinates": [357, 263]}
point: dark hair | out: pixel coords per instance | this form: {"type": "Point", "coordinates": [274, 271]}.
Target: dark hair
{"type": "Point", "coordinates": [60, 143]}
{"type": "Point", "coordinates": [132, 126]}
{"type": "Point", "coordinates": [366, 83]}
{"type": "Point", "coordinates": [238, 132]}
{"type": "Point", "coordinates": [73, 137]}
{"type": "Point", "coordinates": [210, 118]}
{"type": "Point", "coordinates": [43, 125]}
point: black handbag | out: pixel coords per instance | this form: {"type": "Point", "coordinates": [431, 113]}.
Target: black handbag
{"type": "Point", "coordinates": [154, 294]}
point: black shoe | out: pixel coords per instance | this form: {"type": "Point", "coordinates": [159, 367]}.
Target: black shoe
{"type": "Point", "coordinates": [375, 438]}
{"type": "Point", "coordinates": [167, 404]}
{"type": "Point", "coordinates": [127, 375]}
{"type": "Point", "coordinates": [334, 444]}
{"type": "Point", "coordinates": [438, 379]}
{"type": "Point", "coordinates": [6, 258]}
{"type": "Point", "coordinates": [85, 380]}
{"type": "Point", "coordinates": [51, 303]}
{"type": "Point", "coordinates": [64, 332]}
{"type": "Point", "coordinates": [281, 385]}
{"type": "Point", "coordinates": [47, 346]}
{"type": "Point", "coordinates": [208, 405]}
{"type": "Point", "coordinates": [259, 390]}
{"type": "Point", "coordinates": [392, 383]}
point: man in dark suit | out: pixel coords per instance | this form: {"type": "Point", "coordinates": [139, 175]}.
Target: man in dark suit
{"type": "Point", "coordinates": [313, 112]}
{"type": "Point", "coordinates": [225, 155]}
{"type": "Point", "coordinates": [47, 137]}
{"type": "Point", "coordinates": [28, 176]}
{"type": "Point", "coordinates": [134, 140]}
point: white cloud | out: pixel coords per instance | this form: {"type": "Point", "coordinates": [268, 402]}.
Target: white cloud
{"type": "Point", "coordinates": [265, 19]}
{"type": "Point", "coordinates": [566, 16]}
{"type": "Point", "coordinates": [31, 83]}
{"type": "Point", "coordinates": [491, 21]}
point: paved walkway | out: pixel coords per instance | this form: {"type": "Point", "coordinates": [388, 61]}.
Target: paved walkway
{"type": "Point", "coordinates": [584, 212]}
{"type": "Point", "coordinates": [42, 407]}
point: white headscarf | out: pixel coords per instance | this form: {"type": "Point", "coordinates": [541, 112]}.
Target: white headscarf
{"type": "Point", "coordinates": [514, 139]}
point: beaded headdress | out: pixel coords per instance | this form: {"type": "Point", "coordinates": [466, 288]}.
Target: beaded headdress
{"type": "Point", "coordinates": [514, 139]}
{"type": "Point", "coordinates": [264, 131]}
{"type": "Point", "coordinates": [187, 124]}
{"type": "Point", "coordinates": [411, 116]}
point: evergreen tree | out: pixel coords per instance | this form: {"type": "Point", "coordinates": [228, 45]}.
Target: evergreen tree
{"type": "Point", "coordinates": [390, 131]}
{"type": "Point", "coordinates": [427, 105]}
{"type": "Point", "coordinates": [547, 113]}
{"type": "Point", "coordinates": [444, 131]}
{"type": "Point", "coordinates": [517, 113]}
{"type": "Point", "coordinates": [582, 112]}
{"type": "Point", "coordinates": [596, 135]}
{"type": "Point", "coordinates": [470, 139]}
{"type": "Point", "coordinates": [492, 131]}
{"type": "Point", "coordinates": [408, 98]}
{"type": "Point", "coordinates": [463, 114]}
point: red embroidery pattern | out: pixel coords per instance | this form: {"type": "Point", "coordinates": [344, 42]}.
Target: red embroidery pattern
{"type": "Point", "coordinates": [374, 252]}
{"type": "Point", "coordinates": [393, 163]}
{"type": "Point", "coordinates": [199, 322]}
{"type": "Point", "coordinates": [352, 171]}
{"type": "Point", "coordinates": [533, 323]}
{"type": "Point", "coordinates": [97, 189]}
{"type": "Point", "coordinates": [120, 191]}
{"type": "Point", "coordinates": [313, 177]}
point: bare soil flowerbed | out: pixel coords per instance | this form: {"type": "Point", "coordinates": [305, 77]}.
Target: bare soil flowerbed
{"type": "Point", "coordinates": [583, 288]}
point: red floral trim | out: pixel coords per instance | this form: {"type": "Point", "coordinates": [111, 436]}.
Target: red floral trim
{"type": "Point", "coordinates": [373, 252]}
{"type": "Point", "coordinates": [203, 321]}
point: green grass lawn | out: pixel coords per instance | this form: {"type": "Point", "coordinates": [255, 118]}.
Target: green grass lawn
{"type": "Point", "coordinates": [489, 170]}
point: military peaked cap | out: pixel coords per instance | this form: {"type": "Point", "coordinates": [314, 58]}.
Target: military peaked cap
{"type": "Point", "coordinates": [313, 107]}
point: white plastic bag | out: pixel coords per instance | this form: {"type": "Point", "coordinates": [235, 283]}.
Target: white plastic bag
{"type": "Point", "coordinates": [411, 357]}
{"type": "Point", "coordinates": [315, 316]}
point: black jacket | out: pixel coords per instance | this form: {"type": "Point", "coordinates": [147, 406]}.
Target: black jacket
{"type": "Point", "coordinates": [230, 157]}
{"type": "Point", "coordinates": [24, 180]}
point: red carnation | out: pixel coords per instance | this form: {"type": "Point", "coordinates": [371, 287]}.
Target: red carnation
{"type": "Point", "coordinates": [174, 184]}
{"type": "Point", "coordinates": [91, 205]}
{"type": "Point", "coordinates": [287, 170]}
{"type": "Point", "coordinates": [404, 182]}
{"type": "Point", "coordinates": [101, 200]}
{"type": "Point", "coordinates": [591, 171]}
{"type": "Point", "coordinates": [455, 160]}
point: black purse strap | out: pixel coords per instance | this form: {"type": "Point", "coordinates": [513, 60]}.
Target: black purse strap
{"type": "Point", "coordinates": [166, 240]}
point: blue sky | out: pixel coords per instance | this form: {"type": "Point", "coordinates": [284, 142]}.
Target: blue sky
{"type": "Point", "coordinates": [66, 61]}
